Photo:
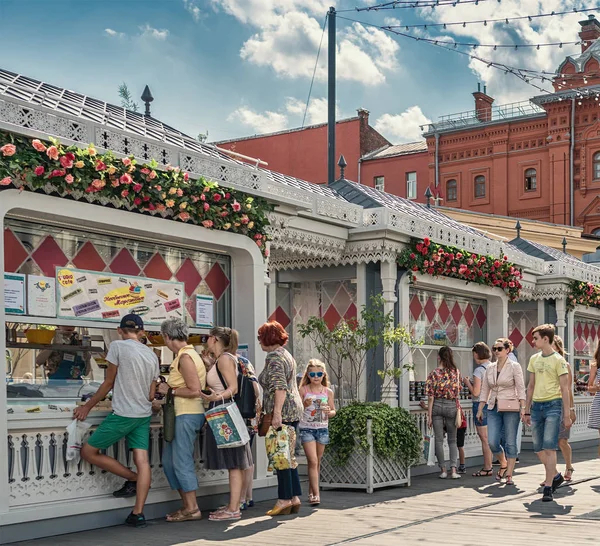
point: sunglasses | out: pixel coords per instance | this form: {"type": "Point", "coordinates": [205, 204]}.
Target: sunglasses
{"type": "Point", "coordinates": [315, 374]}
{"type": "Point", "coordinates": [498, 349]}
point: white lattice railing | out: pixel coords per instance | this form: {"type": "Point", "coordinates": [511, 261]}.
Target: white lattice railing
{"type": "Point", "coordinates": [38, 471]}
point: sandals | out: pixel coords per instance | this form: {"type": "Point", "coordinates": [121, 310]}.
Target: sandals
{"type": "Point", "coordinates": [225, 515]}
{"type": "Point", "coordinates": [314, 500]}
{"type": "Point", "coordinates": [509, 480]}
{"type": "Point", "coordinates": [569, 474]}
{"type": "Point", "coordinates": [483, 473]}
{"type": "Point", "coordinates": [501, 473]}
{"type": "Point", "coordinates": [182, 515]}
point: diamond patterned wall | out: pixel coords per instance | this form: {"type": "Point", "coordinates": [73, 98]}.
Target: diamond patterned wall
{"type": "Point", "coordinates": [522, 319]}
{"type": "Point", "coordinates": [586, 334]}
{"type": "Point", "coordinates": [38, 249]}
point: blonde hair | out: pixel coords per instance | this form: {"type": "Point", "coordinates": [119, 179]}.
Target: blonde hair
{"type": "Point", "coordinates": [315, 363]}
{"type": "Point", "coordinates": [560, 346]}
{"type": "Point", "coordinates": [228, 336]}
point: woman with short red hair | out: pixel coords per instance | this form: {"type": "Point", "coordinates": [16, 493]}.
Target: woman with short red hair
{"type": "Point", "coordinates": [282, 402]}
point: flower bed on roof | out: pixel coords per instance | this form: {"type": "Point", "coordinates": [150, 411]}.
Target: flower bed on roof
{"type": "Point", "coordinates": [583, 293]}
{"type": "Point", "coordinates": [84, 173]}
{"type": "Point", "coordinates": [440, 260]}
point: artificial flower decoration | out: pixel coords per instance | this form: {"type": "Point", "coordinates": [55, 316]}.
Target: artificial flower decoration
{"type": "Point", "coordinates": [583, 293]}
{"type": "Point", "coordinates": [439, 260]}
{"type": "Point", "coordinates": [148, 188]}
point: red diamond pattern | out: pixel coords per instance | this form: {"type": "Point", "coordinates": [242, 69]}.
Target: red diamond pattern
{"type": "Point", "coordinates": [430, 309]}
{"type": "Point", "coordinates": [451, 331]}
{"type": "Point", "coordinates": [189, 276]}
{"type": "Point", "coordinates": [190, 305]}
{"type": "Point", "coordinates": [481, 316]}
{"type": "Point", "coordinates": [415, 307]}
{"type": "Point", "coordinates": [469, 315]}
{"type": "Point", "coordinates": [217, 281]}
{"type": "Point", "coordinates": [443, 312]}
{"type": "Point", "coordinates": [529, 337]}
{"type": "Point", "coordinates": [456, 313]}
{"type": "Point", "coordinates": [578, 329]}
{"type": "Point", "coordinates": [49, 255]}
{"type": "Point", "coordinates": [280, 316]}
{"type": "Point", "coordinates": [593, 332]}
{"type": "Point", "coordinates": [331, 317]}
{"type": "Point", "coordinates": [516, 337]}
{"type": "Point", "coordinates": [124, 264]}
{"type": "Point", "coordinates": [586, 332]}
{"type": "Point", "coordinates": [14, 252]}
{"type": "Point", "coordinates": [88, 258]}
{"type": "Point", "coordinates": [157, 268]}
{"type": "Point", "coordinates": [350, 317]}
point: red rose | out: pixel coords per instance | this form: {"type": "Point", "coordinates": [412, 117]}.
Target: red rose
{"type": "Point", "coordinates": [56, 173]}
{"type": "Point", "coordinates": [39, 171]}
{"type": "Point", "coordinates": [151, 206]}
{"type": "Point", "coordinates": [426, 241]}
{"type": "Point", "coordinates": [206, 206]}
{"type": "Point", "coordinates": [137, 188]}
{"type": "Point", "coordinates": [100, 166]}
{"type": "Point", "coordinates": [125, 179]}
{"type": "Point", "coordinates": [124, 193]}
{"type": "Point", "coordinates": [415, 268]}
{"type": "Point", "coordinates": [137, 201]}
{"type": "Point", "coordinates": [227, 195]}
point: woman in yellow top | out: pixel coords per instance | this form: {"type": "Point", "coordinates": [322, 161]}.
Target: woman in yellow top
{"type": "Point", "coordinates": [187, 377]}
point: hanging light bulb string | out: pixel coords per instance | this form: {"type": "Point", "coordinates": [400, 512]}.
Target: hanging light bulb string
{"type": "Point", "coordinates": [414, 4]}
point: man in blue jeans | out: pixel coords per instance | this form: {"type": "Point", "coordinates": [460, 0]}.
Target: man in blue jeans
{"type": "Point", "coordinates": [547, 404]}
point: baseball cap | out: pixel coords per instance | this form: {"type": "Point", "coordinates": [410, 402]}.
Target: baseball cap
{"type": "Point", "coordinates": [132, 321]}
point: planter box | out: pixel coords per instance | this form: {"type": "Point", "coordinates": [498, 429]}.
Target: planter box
{"type": "Point", "coordinates": [363, 470]}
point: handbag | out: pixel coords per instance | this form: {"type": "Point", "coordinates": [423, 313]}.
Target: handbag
{"type": "Point", "coordinates": [169, 417]}
{"type": "Point", "coordinates": [506, 405]}
{"type": "Point", "coordinates": [460, 416]}
{"type": "Point", "coordinates": [227, 425]}
{"type": "Point", "coordinates": [245, 398]}
{"type": "Point", "coordinates": [280, 445]}
{"type": "Point", "coordinates": [265, 424]}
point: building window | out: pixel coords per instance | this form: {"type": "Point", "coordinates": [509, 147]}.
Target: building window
{"type": "Point", "coordinates": [479, 186]}
{"type": "Point", "coordinates": [451, 190]}
{"type": "Point", "coordinates": [597, 166]}
{"type": "Point", "coordinates": [411, 185]}
{"type": "Point", "coordinates": [379, 183]}
{"type": "Point", "coordinates": [530, 180]}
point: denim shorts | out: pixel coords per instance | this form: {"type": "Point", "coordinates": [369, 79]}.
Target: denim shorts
{"type": "Point", "coordinates": [545, 424]}
{"type": "Point", "coordinates": [320, 435]}
{"type": "Point", "coordinates": [477, 422]}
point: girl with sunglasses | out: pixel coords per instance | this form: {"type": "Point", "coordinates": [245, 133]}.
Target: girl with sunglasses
{"type": "Point", "coordinates": [317, 399]}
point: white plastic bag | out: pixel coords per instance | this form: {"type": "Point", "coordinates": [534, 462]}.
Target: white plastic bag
{"type": "Point", "coordinates": [77, 431]}
{"type": "Point", "coordinates": [431, 455]}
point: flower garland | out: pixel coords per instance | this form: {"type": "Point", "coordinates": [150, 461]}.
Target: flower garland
{"type": "Point", "coordinates": [583, 293]}
{"type": "Point", "coordinates": [433, 259]}
{"type": "Point", "coordinates": [33, 164]}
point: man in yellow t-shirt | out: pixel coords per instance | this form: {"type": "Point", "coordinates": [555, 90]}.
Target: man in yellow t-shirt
{"type": "Point", "coordinates": [547, 403]}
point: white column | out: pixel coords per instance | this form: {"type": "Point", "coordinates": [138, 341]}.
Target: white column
{"type": "Point", "coordinates": [4, 489]}
{"type": "Point", "coordinates": [361, 302]}
{"type": "Point", "coordinates": [406, 353]}
{"type": "Point", "coordinates": [389, 277]}
{"type": "Point", "coordinates": [541, 311]}
{"type": "Point", "coordinates": [561, 313]}
{"type": "Point", "coordinates": [569, 348]}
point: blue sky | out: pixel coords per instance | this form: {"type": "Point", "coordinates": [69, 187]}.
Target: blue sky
{"type": "Point", "coordinates": [240, 67]}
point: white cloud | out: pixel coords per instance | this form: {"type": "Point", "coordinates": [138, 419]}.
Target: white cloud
{"type": "Point", "coordinates": [316, 113]}
{"type": "Point", "coordinates": [505, 87]}
{"type": "Point", "coordinates": [287, 37]}
{"type": "Point", "coordinates": [157, 34]}
{"type": "Point", "coordinates": [113, 33]}
{"type": "Point", "coordinates": [267, 122]}
{"type": "Point", "coordinates": [404, 127]}
{"type": "Point", "coordinates": [194, 10]}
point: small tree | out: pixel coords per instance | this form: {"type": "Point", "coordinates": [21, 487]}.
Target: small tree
{"type": "Point", "coordinates": [127, 101]}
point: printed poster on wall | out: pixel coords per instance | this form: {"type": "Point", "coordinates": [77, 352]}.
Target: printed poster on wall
{"type": "Point", "coordinates": [244, 350]}
{"type": "Point", "coordinates": [41, 296]}
{"type": "Point", "coordinates": [91, 295]}
{"type": "Point", "coordinates": [205, 316]}
{"type": "Point", "coordinates": [14, 294]}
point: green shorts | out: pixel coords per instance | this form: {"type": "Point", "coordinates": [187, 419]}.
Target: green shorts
{"type": "Point", "coordinates": [115, 427]}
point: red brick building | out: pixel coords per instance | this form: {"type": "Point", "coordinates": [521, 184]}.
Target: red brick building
{"type": "Point", "coordinates": [302, 152]}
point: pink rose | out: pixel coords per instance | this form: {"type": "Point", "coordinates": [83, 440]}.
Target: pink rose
{"type": "Point", "coordinates": [126, 179]}
{"type": "Point", "coordinates": [160, 207]}
{"type": "Point", "coordinates": [236, 206]}
{"type": "Point", "coordinates": [6, 181]}
{"type": "Point", "coordinates": [184, 216]}
{"type": "Point", "coordinates": [100, 166]}
{"type": "Point", "coordinates": [158, 187]}
{"type": "Point", "coordinates": [114, 183]}
{"type": "Point", "coordinates": [39, 171]}
{"type": "Point", "coordinates": [57, 173]}
{"type": "Point", "coordinates": [206, 206]}
{"type": "Point", "coordinates": [69, 179]}
{"type": "Point", "coordinates": [145, 170]}
{"type": "Point", "coordinates": [137, 201]}
{"type": "Point", "coordinates": [52, 152]}
{"type": "Point", "coordinates": [37, 144]}
{"type": "Point", "coordinates": [186, 176]}
{"type": "Point", "coordinates": [67, 160]}
{"type": "Point", "coordinates": [224, 213]}
{"type": "Point", "coordinates": [206, 189]}
{"type": "Point", "coordinates": [152, 175]}
{"type": "Point", "coordinates": [216, 197]}
{"type": "Point", "coordinates": [195, 198]}
{"type": "Point", "coordinates": [267, 252]}
{"type": "Point", "coordinates": [207, 223]}
{"type": "Point", "coordinates": [137, 188]}
{"type": "Point", "coordinates": [8, 150]}
{"type": "Point", "coordinates": [124, 193]}
{"type": "Point", "coordinates": [244, 219]}
{"type": "Point", "coordinates": [179, 192]}
{"type": "Point", "coordinates": [202, 197]}
{"type": "Point", "coordinates": [98, 184]}
{"type": "Point", "coordinates": [126, 161]}
{"type": "Point", "coordinates": [258, 243]}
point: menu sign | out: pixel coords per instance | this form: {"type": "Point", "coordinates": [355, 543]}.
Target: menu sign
{"type": "Point", "coordinates": [91, 295]}
{"type": "Point", "coordinates": [14, 294]}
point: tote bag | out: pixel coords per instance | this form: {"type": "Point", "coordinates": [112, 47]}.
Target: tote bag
{"type": "Point", "coordinates": [227, 425]}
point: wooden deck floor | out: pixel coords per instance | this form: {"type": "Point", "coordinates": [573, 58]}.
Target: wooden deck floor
{"type": "Point", "coordinates": [469, 511]}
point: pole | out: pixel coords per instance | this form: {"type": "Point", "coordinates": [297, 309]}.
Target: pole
{"type": "Point", "coordinates": [331, 99]}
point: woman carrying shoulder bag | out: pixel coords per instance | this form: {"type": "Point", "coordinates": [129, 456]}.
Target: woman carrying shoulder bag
{"type": "Point", "coordinates": [503, 390]}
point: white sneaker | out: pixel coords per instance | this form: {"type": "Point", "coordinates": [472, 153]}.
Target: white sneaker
{"type": "Point", "coordinates": [455, 475]}
{"type": "Point", "coordinates": [443, 475]}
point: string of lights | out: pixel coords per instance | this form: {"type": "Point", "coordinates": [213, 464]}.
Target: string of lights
{"type": "Point", "coordinates": [413, 4]}
{"type": "Point", "coordinates": [485, 22]}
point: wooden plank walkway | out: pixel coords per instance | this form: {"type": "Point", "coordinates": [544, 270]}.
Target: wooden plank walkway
{"type": "Point", "coordinates": [469, 511]}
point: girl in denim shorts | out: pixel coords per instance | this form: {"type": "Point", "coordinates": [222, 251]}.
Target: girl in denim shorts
{"type": "Point", "coordinates": [317, 398]}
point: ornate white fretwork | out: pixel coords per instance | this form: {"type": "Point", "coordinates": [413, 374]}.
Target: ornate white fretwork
{"type": "Point", "coordinates": [38, 471]}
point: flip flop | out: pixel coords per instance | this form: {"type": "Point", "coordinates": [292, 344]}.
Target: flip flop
{"type": "Point", "coordinates": [185, 516]}
{"type": "Point", "coordinates": [483, 473]}
{"type": "Point", "coordinates": [225, 515]}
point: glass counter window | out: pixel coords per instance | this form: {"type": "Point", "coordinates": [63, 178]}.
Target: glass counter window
{"type": "Point", "coordinates": [586, 334]}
